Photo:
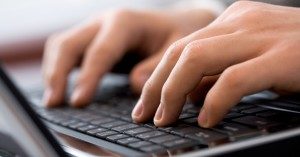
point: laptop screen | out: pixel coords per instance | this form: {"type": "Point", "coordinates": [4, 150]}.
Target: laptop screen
{"type": "Point", "coordinates": [20, 122]}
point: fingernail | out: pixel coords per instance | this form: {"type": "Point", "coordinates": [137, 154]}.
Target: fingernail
{"type": "Point", "coordinates": [203, 118]}
{"type": "Point", "coordinates": [138, 109]}
{"type": "Point", "coordinates": [159, 113]}
{"type": "Point", "coordinates": [47, 97]}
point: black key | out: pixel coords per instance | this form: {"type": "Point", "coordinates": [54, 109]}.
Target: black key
{"type": "Point", "coordinates": [233, 115]}
{"type": "Point", "coordinates": [241, 107]}
{"type": "Point", "coordinates": [87, 117]}
{"type": "Point", "coordinates": [137, 130]}
{"type": "Point", "coordinates": [101, 121]}
{"type": "Point", "coordinates": [182, 143]}
{"type": "Point", "coordinates": [139, 144]}
{"type": "Point", "coordinates": [185, 129]}
{"type": "Point", "coordinates": [191, 121]}
{"type": "Point", "coordinates": [254, 110]}
{"type": "Point", "coordinates": [176, 126]}
{"type": "Point", "coordinates": [208, 137]}
{"type": "Point", "coordinates": [186, 115]}
{"type": "Point", "coordinates": [112, 124]}
{"type": "Point", "coordinates": [236, 131]}
{"type": "Point", "coordinates": [106, 133]}
{"type": "Point", "coordinates": [125, 127]}
{"type": "Point", "coordinates": [254, 121]}
{"type": "Point", "coordinates": [162, 139]}
{"type": "Point", "coordinates": [88, 127]}
{"type": "Point", "coordinates": [267, 114]}
{"type": "Point", "coordinates": [94, 131]}
{"type": "Point", "coordinates": [153, 148]}
{"type": "Point", "coordinates": [151, 125]}
{"type": "Point", "coordinates": [128, 140]}
{"type": "Point", "coordinates": [193, 111]}
{"type": "Point", "coordinates": [150, 134]}
{"type": "Point", "coordinates": [117, 137]}
{"type": "Point", "coordinates": [127, 118]}
{"type": "Point", "coordinates": [77, 125]}
{"type": "Point", "coordinates": [69, 122]}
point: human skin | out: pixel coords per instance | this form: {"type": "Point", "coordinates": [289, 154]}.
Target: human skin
{"type": "Point", "coordinates": [249, 48]}
{"type": "Point", "coordinates": [101, 41]}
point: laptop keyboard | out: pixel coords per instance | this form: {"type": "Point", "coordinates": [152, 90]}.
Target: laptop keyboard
{"type": "Point", "coordinates": [111, 121]}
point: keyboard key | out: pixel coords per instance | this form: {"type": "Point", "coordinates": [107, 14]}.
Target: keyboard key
{"type": "Point", "coordinates": [236, 131]}
{"type": "Point", "coordinates": [184, 129]}
{"type": "Point", "coordinates": [254, 121]}
{"type": "Point", "coordinates": [186, 115]}
{"type": "Point", "coordinates": [117, 137]}
{"type": "Point", "coordinates": [88, 127]}
{"type": "Point", "coordinates": [125, 127]}
{"type": "Point", "coordinates": [77, 125]}
{"type": "Point", "coordinates": [150, 134]}
{"type": "Point", "coordinates": [267, 114]}
{"type": "Point", "coordinates": [254, 110]}
{"type": "Point", "coordinates": [164, 138]}
{"type": "Point", "coordinates": [106, 133]}
{"type": "Point", "coordinates": [94, 131]}
{"type": "Point", "coordinates": [139, 144]}
{"type": "Point", "coordinates": [68, 122]}
{"type": "Point", "coordinates": [151, 125]}
{"type": "Point", "coordinates": [112, 124]}
{"type": "Point", "coordinates": [138, 130]}
{"type": "Point", "coordinates": [182, 143]}
{"type": "Point", "coordinates": [233, 115]}
{"type": "Point", "coordinates": [208, 137]}
{"type": "Point", "coordinates": [153, 148]}
{"type": "Point", "coordinates": [128, 140]}
{"type": "Point", "coordinates": [101, 121]}
{"type": "Point", "coordinates": [127, 118]}
{"type": "Point", "coordinates": [241, 106]}
{"type": "Point", "coordinates": [191, 121]}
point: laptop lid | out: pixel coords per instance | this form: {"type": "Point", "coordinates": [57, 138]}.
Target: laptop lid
{"type": "Point", "coordinates": [22, 124]}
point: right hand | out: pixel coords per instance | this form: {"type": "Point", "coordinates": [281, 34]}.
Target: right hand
{"type": "Point", "coordinates": [103, 40]}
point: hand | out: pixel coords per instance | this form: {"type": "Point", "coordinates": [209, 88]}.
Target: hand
{"type": "Point", "coordinates": [103, 40]}
{"type": "Point", "coordinates": [249, 48]}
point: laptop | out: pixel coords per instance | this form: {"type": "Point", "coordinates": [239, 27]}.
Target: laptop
{"type": "Point", "coordinates": [261, 124]}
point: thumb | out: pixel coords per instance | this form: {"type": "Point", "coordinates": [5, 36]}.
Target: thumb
{"type": "Point", "coordinates": [142, 71]}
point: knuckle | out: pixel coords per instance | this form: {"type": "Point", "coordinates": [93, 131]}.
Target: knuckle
{"type": "Point", "coordinates": [233, 77]}
{"type": "Point", "coordinates": [174, 50]}
{"type": "Point", "coordinates": [61, 43]}
{"type": "Point", "coordinates": [149, 88]}
{"type": "Point", "coordinates": [195, 53]}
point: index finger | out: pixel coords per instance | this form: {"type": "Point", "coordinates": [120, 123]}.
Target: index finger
{"type": "Point", "coordinates": [200, 58]}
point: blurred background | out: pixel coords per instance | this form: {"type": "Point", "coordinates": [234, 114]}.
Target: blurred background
{"type": "Point", "coordinates": [25, 25]}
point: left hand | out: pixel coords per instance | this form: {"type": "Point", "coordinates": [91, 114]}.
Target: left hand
{"type": "Point", "coordinates": [251, 47]}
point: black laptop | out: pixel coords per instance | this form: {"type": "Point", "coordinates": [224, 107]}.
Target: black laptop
{"type": "Point", "coordinates": [261, 124]}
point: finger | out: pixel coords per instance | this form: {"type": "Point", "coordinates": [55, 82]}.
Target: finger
{"type": "Point", "coordinates": [200, 58]}
{"type": "Point", "coordinates": [150, 97]}
{"type": "Point", "coordinates": [107, 48]}
{"type": "Point", "coordinates": [235, 82]}
{"type": "Point", "coordinates": [142, 71]}
{"type": "Point", "coordinates": [199, 93]}
{"type": "Point", "coordinates": [61, 54]}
